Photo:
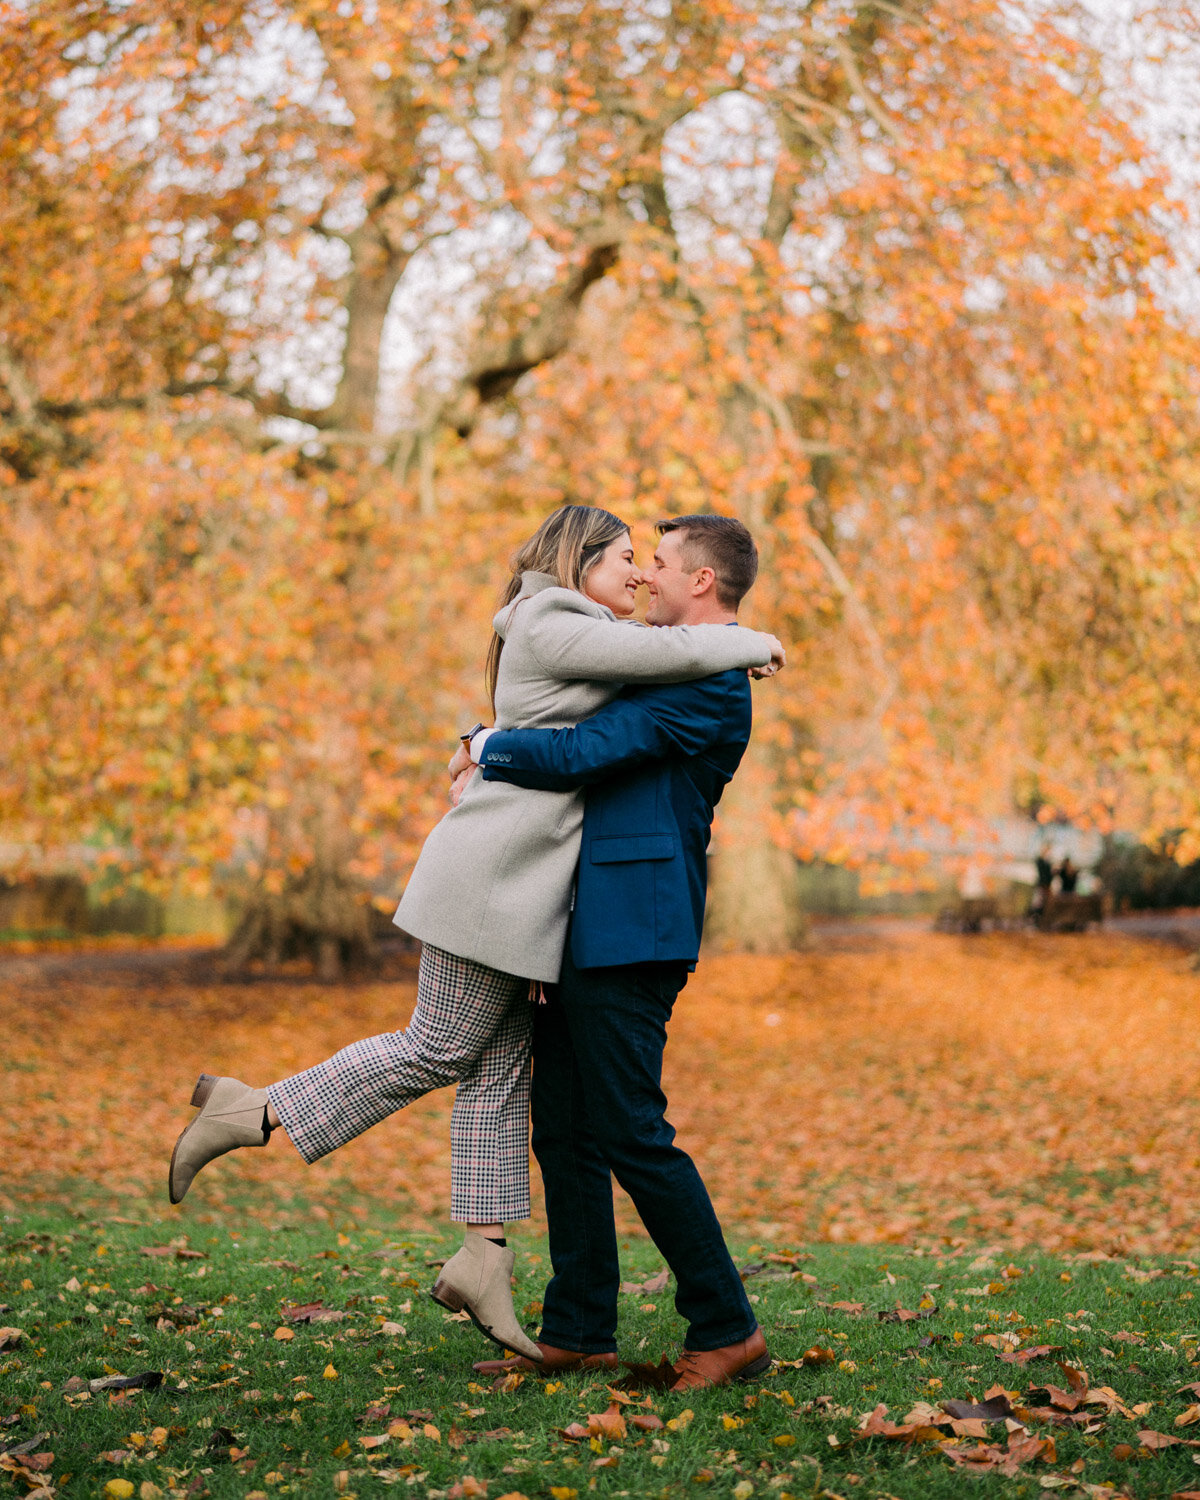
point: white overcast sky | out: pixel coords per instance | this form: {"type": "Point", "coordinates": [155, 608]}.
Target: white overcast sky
{"type": "Point", "coordinates": [722, 157]}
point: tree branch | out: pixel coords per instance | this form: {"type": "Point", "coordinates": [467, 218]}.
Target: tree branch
{"type": "Point", "coordinates": [501, 364]}
{"type": "Point", "coordinates": [872, 105]}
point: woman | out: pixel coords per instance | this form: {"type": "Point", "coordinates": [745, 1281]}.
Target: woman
{"type": "Point", "coordinates": [489, 899]}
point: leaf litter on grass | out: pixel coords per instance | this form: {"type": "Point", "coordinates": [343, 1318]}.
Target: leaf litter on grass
{"type": "Point", "coordinates": [372, 1418]}
{"type": "Point", "coordinates": [832, 1123]}
{"type": "Point", "coordinates": [1061, 1119]}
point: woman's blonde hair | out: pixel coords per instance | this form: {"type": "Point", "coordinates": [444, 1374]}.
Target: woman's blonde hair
{"type": "Point", "coordinates": [567, 545]}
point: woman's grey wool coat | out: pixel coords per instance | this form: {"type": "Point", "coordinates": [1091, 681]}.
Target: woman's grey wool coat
{"type": "Point", "coordinates": [494, 879]}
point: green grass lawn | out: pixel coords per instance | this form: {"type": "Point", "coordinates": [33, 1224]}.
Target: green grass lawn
{"type": "Point", "coordinates": [242, 1410]}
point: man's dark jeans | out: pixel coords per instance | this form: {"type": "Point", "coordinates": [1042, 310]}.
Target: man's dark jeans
{"type": "Point", "coordinates": [598, 1105]}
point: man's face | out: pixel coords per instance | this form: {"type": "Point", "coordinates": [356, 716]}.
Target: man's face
{"type": "Point", "coordinates": [669, 581]}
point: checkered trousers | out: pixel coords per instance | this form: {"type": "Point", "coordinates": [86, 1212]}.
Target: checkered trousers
{"type": "Point", "coordinates": [472, 1026]}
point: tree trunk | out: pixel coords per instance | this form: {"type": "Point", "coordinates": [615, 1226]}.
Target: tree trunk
{"type": "Point", "coordinates": [376, 270]}
{"type": "Point", "coordinates": [754, 885]}
{"type": "Point", "coordinates": [319, 916]}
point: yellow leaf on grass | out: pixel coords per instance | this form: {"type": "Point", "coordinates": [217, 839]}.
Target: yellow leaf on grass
{"type": "Point", "coordinates": [743, 1490]}
{"type": "Point", "coordinates": [431, 1432]}
{"type": "Point", "coordinates": [329, 1373]}
{"type": "Point", "coordinates": [342, 1450]}
{"type": "Point", "coordinates": [563, 1492]}
{"type": "Point", "coordinates": [731, 1424]}
{"type": "Point", "coordinates": [118, 1489]}
{"type": "Point", "coordinates": [677, 1424]}
{"type": "Point", "coordinates": [400, 1429]}
{"type": "Point", "coordinates": [284, 1334]}
{"type": "Point", "coordinates": [784, 1440]}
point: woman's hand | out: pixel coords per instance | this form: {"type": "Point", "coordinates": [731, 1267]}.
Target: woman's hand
{"type": "Point", "coordinates": [460, 761]}
{"type": "Point", "coordinates": [776, 664]}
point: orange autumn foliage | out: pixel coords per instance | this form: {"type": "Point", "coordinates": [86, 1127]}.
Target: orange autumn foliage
{"type": "Point", "coordinates": [221, 671]}
{"type": "Point", "coordinates": [890, 284]}
{"type": "Point", "coordinates": [1020, 1090]}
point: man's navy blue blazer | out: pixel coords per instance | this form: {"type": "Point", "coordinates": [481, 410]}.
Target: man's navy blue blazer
{"type": "Point", "coordinates": [655, 762]}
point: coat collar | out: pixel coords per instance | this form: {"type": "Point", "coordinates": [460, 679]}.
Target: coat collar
{"type": "Point", "coordinates": [531, 583]}
{"type": "Point", "coordinates": [534, 583]}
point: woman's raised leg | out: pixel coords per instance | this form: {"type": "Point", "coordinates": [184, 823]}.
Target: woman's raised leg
{"type": "Point", "coordinates": [459, 1006]}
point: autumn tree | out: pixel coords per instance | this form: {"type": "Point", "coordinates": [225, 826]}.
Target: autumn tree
{"type": "Point", "coordinates": [885, 280]}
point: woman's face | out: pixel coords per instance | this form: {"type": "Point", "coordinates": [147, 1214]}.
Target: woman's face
{"type": "Point", "coordinates": [615, 578]}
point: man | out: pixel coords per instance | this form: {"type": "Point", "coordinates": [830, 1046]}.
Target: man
{"type": "Point", "coordinates": [1044, 868]}
{"type": "Point", "coordinates": [655, 761]}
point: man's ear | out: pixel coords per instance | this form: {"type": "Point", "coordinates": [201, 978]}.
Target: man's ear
{"type": "Point", "coordinates": [703, 580]}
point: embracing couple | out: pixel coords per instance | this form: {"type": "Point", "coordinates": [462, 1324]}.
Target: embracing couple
{"type": "Point", "coordinates": [560, 904]}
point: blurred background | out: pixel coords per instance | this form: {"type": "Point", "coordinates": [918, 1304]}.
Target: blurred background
{"type": "Point", "coordinates": [310, 312]}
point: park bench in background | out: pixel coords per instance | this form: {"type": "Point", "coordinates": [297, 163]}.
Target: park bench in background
{"type": "Point", "coordinates": [969, 914]}
{"type": "Point", "coordinates": [1070, 913]}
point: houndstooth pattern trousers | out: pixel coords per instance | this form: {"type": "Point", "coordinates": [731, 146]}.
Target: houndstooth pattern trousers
{"type": "Point", "coordinates": [472, 1026]}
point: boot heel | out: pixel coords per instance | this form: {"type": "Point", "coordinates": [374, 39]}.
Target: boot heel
{"type": "Point", "coordinates": [204, 1087]}
{"type": "Point", "coordinates": [445, 1296]}
{"type": "Point", "coordinates": [760, 1367]}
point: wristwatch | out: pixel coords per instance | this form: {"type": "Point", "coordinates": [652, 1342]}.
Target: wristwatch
{"type": "Point", "coordinates": [474, 729]}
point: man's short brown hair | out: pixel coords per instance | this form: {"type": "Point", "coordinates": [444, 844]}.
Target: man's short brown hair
{"type": "Point", "coordinates": [722, 544]}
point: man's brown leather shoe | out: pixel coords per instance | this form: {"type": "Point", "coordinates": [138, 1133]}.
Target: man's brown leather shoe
{"type": "Point", "coordinates": [719, 1366]}
{"type": "Point", "coordinates": [554, 1361]}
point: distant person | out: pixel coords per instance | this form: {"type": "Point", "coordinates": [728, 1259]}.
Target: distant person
{"type": "Point", "coordinates": [1044, 866]}
{"type": "Point", "coordinates": [1068, 877]}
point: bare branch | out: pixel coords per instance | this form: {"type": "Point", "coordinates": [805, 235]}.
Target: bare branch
{"type": "Point", "coordinates": [501, 363]}
{"type": "Point", "coordinates": [827, 558]}
{"type": "Point", "coordinates": [871, 104]}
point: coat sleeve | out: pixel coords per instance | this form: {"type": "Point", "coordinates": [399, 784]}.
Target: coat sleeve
{"type": "Point", "coordinates": [641, 726]}
{"type": "Point", "coordinates": [571, 644]}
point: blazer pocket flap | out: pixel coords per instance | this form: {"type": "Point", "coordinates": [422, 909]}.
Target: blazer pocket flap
{"type": "Point", "coordinates": [630, 848]}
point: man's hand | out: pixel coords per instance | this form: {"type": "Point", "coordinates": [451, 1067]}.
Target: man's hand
{"type": "Point", "coordinates": [776, 664]}
{"type": "Point", "coordinates": [460, 761]}
{"type": "Point", "coordinates": [459, 785]}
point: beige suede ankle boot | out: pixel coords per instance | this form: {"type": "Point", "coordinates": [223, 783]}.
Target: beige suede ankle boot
{"type": "Point", "coordinates": [231, 1115]}
{"type": "Point", "coordinates": [478, 1279]}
